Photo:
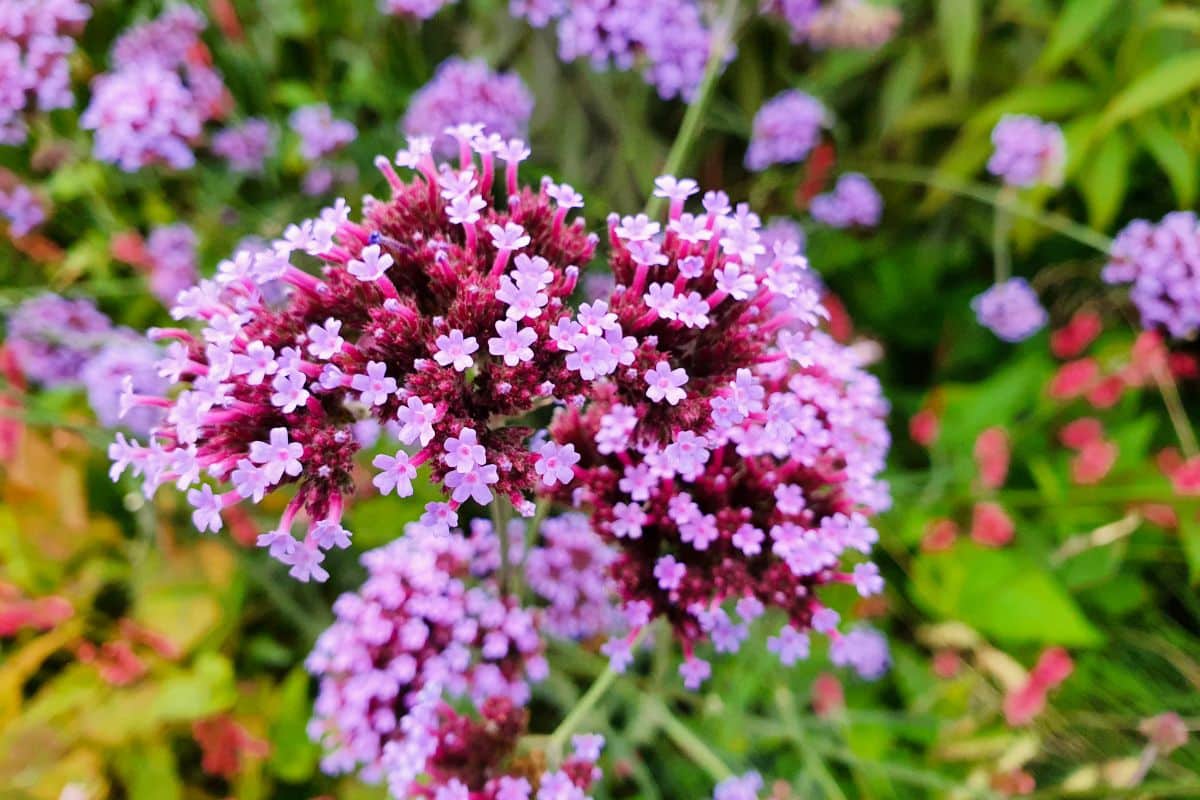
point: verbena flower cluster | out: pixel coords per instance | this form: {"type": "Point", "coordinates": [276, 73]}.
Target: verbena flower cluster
{"type": "Point", "coordinates": [569, 569]}
{"type": "Point", "coordinates": [152, 107]}
{"type": "Point", "coordinates": [469, 92]}
{"type": "Point", "coordinates": [52, 337]}
{"type": "Point", "coordinates": [1010, 310]}
{"type": "Point", "coordinates": [320, 132]}
{"type": "Point", "coordinates": [59, 343]}
{"type": "Point", "coordinates": [171, 253]}
{"type": "Point", "coordinates": [737, 473]}
{"type": "Point", "coordinates": [1161, 261]}
{"type": "Point", "coordinates": [36, 39]}
{"type": "Point", "coordinates": [854, 202]}
{"type": "Point", "coordinates": [22, 209]}
{"type": "Point", "coordinates": [246, 145]}
{"type": "Point", "coordinates": [428, 634]}
{"type": "Point", "coordinates": [1028, 151]}
{"type": "Point", "coordinates": [785, 130]}
{"type": "Point", "coordinates": [442, 312]}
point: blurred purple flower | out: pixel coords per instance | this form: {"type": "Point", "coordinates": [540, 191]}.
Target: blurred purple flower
{"type": "Point", "coordinates": [853, 202]}
{"type": "Point", "coordinates": [1162, 262]}
{"type": "Point", "coordinates": [172, 252]}
{"type": "Point", "coordinates": [320, 132]}
{"type": "Point", "coordinates": [786, 129]}
{"type": "Point", "coordinates": [1028, 151]}
{"type": "Point", "coordinates": [36, 40]}
{"type": "Point", "coordinates": [22, 208]}
{"type": "Point", "coordinates": [52, 337]}
{"type": "Point", "coordinates": [245, 146]}
{"type": "Point", "coordinates": [469, 92]}
{"type": "Point", "coordinates": [1010, 310]}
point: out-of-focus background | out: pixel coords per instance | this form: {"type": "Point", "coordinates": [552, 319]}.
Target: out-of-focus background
{"type": "Point", "coordinates": [1043, 549]}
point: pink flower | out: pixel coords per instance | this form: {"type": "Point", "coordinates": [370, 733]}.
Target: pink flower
{"type": "Point", "coordinates": [664, 383]}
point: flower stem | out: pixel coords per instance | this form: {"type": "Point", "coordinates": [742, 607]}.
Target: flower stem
{"type": "Point", "coordinates": [723, 35]}
{"type": "Point", "coordinates": [984, 194]}
{"type": "Point", "coordinates": [687, 741]}
{"type": "Point", "coordinates": [501, 514]}
{"type": "Point", "coordinates": [1001, 227]}
{"type": "Point", "coordinates": [571, 722]}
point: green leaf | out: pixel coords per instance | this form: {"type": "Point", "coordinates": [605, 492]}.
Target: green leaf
{"type": "Point", "coordinates": [900, 87]}
{"type": "Point", "coordinates": [958, 28]}
{"type": "Point", "coordinates": [1004, 594]}
{"type": "Point", "coordinates": [1176, 160]}
{"type": "Point", "coordinates": [1104, 180]}
{"type": "Point", "coordinates": [148, 772]}
{"type": "Point", "coordinates": [1189, 537]}
{"type": "Point", "coordinates": [293, 755]}
{"type": "Point", "coordinates": [1076, 22]}
{"type": "Point", "coordinates": [1171, 79]}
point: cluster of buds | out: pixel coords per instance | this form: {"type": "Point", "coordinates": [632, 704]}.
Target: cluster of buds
{"type": "Point", "coordinates": [442, 313]}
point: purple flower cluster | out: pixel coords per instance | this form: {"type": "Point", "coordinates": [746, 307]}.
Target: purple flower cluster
{"type": "Point", "coordinates": [569, 570]}
{"type": "Point", "coordinates": [786, 129]}
{"type": "Point", "coordinates": [52, 338]}
{"type": "Point", "coordinates": [126, 359]}
{"type": "Point", "coordinates": [245, 146]}
{"type": "Point", "coordinates": [416, 9]}
{"type": "Point", "coordinates": [469, 92]}
{"type": "Point", "coordinates": [843, 24]}
{"type": "Point", "coordinates": [853, 202]}
{"type": "Point", "coordinates": [321, 133]}
{"type": "Point", "coordinates": [172, 253]}
{"type": "Point", "coordinates": [152, 107]}
{"type": "Point", "coordinates": [22, 208]}
{"type": "Point", "coordinates": [36, 39]}
{"type": "Point", "coordinates": [442, 312]}
{"type": "Point", "coordinates": [739, 787]}
{"type": "Point", "coordinates": [430, 628]}
{"type": "Point", "coordinates": [1028, 151]}
{"type": "Point", "coordinates": [1162, 262]}
{"type": "Point", "coordinates": [1010, 310]}
{"type": "Point", "coordinates": [667, 39]}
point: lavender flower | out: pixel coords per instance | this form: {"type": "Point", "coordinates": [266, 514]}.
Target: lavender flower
{"type": "Point", "coordinates": [786, 129]}
{"type": "Point", "coordinates": [798, 14]}
{"type": "Point", "coordinates": [1028, 151]}
{"type": "Point", "coordinates": [246, 146]}
{"type": "Point", "coordinates": [853, 202]}
{"type": "Point", "coordinates": [22, 208]}
{"type": "Point", "coordinates": [37, 38]}
{"type": "Point", "coordinates": [320, 133]}
{"type": "Point", "coordinates": [468, 91]}
{"type": "Point", "coordinates": [739, 787]}
{"type": "Point", "coordinates": [152, 107]}
{"type": "Point", "coordinates": [172, 253]}
{"type": "Point", "coordinates": [1162, 262]}
{"type": "Point", "coordinates": [52, 337]}
{"type": "Point", "coordinates": [1010, 310]}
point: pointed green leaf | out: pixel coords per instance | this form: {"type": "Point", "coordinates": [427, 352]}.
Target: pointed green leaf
{"type": "Point", "coordinates": [1176, 160]}
{"type": "Point", "coordinates": [1171, 79]}
{"type": "Point", "coordinates": [1076, 23]}
{"type": "Point", "coordinates": [958, 28]}
{"type": "Point", "coordinates": [1104, 180]}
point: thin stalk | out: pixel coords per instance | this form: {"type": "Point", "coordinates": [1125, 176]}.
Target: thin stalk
{"type": "Point", "coordinates": [688, 742]}
{"type": "Point", "coordinates": [1001, 227]}
{"type": "Point", "coordinates": [989, 196]}
{"type": "Point", "coordinates": [571, 722]}
{"type": "Point", "coordinates": [501, 514]}
{"type": "Point", "coordinates": [1179, 419]}
{"type": "Point", "coordinates": [723, 35]}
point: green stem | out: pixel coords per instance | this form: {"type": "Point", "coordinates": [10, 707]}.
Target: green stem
{"type": "Point", "coordinates": [688, 742]}
{"type": "Point", "coordinates": [1000, 230]}
{"type": "Point", "coordinates": [723, 35]}
{"type": "Point", "coordinates": [501, 514]}
{"type": "Point", "coordinates": [989, 196]}
{"type": "Point", "coordinates": [571, 722]}
{"type": "Point", "coordinates": [306, 622]}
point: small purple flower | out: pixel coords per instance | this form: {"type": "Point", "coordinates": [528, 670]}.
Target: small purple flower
{"type": "Point", "coordinates": [469, 92]}
{"type": "Point", "coordinates": [1029, 152]}
{"type": "Point", "coordinates": [555, 463]}
{"type": "Point", "coordinates": [1162, 262]}
{"type": "Point", "coordinates": [669, 573]}
{"type": "Point", "coordinates": [1010, 310]}
{"type": "Point", "coordinates": [790, 645]}
{"type": "Point", "coordinates": [22, 208]}
{"type": "Point", "coordinates": [320, 133]}
{"type": "Point", "coordinates": [739, 787]}
{"type": "Point", "coordinates": [455, 350]}
{"type": "Point", "coordinates": [376, 386]}
{"type": "Point", "coordinates": [854, 202]}
{"type": "Point", "coordinates": [665, 383]}
{"type": "Point", "coordinates": [863, 649]}
{"type": "Point", "coordinates": [786, 129]}
{"type": "Point", "coordinates": [245, 146]}
{"type": "Point", "coordinates": [694, 671]}
{"type": "Point", "coordinates": [172, 252]}
{"type": "Point", "coordinates": [52, 338]}
{"type": "Point", "coordinates": [396, 474]}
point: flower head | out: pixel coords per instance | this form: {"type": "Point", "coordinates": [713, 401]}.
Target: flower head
{"type": "Point", "coordinates": [468, 91]}
{"type": "Point", "coordinates": [1161, 261]}
{"type": "Point", "coordinates": [1028, 151]}
{"type": "Point", "coordinates": [786, 129]}
{"type": "Point", "coordinates": [1010, 310]}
